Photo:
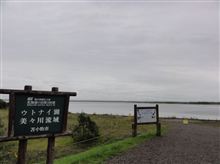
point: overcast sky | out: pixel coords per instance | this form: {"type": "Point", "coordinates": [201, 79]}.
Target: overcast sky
{"type": "Point", "coordinates": [113, 50]}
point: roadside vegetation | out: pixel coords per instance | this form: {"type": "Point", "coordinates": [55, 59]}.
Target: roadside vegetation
{"type": "Point", "coordinates": [86, 131]}
{"type": "Point", "coordinates": [112, 128]}
{"type": "Point", "coordinates": [100, 153]}
{"type": "Point", "coordinates": [4, 154]}
{"type": "Point", "coordinates": [3, 104]}
{"type": "Point", "coordinates": [112, 134]}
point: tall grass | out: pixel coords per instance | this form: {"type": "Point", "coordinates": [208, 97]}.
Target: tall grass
{"type": "Point", "coordinates": [112, 128]}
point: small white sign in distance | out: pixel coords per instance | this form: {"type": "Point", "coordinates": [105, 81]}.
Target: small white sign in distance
{"type": "Point", "coordinates": [146, 115]}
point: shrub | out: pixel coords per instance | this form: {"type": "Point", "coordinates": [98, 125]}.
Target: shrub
{"type": "Point", "coordinates": [2, 145]}
{"type": "Point", "coordinates": [5, 154]}
{"type": "Point", "coordinates": [3, 104]}
{"type": "Point", "coordinates": [1, 127]}
{"type": "Point", "coordinates": [85, 130]}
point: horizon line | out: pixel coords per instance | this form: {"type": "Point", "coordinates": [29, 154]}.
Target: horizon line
{"type": "Point", "coordinates": [149, 101]}
{"type": "Point", "coordinates": [143, 101]}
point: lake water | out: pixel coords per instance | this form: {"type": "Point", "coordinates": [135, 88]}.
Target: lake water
{"type": "Point", "coordinates": [211, 112]}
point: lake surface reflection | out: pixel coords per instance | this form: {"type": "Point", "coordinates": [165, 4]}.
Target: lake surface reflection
{"type": "Point", "coordinates": [211, 112]}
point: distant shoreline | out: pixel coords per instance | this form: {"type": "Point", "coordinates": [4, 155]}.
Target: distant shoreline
{"type": "Point", "coordinates": [151, 102]}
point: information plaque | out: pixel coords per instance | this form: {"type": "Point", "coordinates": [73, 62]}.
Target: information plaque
{"type": "Point", "coordinates": [39, 114]}
{"type": "Point", "coordinates": [146, 115]}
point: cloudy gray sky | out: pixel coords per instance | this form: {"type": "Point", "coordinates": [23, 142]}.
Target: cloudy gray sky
{"type": "Point", "coordinates": [127, 50]}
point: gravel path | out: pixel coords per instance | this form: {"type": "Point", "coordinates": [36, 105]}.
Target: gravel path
{"type": "Point", "coordinates": [183, 144]}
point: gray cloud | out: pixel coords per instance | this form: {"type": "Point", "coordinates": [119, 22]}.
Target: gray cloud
{"type": "Point", "coordinates": [127, 51]}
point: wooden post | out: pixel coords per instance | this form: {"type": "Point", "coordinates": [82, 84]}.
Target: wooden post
{"type": "Point", "coordinates": [11, 114]}
{"type": "Point", "coordinates": [50, 150]}
{"type": "Point", "coordinates": [51, 141]}
{"type": "Point", "coordinates": [134, 125]}
{"type": "Point", "coordinates": [158, 129]}
{"type": "Point", "coordinates": [22, 147]}
{"type": "Point", "coordinates": [158, 125]}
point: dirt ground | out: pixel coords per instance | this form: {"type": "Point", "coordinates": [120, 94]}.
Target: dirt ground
{"type": "Point", "coordinates": [182, 144]}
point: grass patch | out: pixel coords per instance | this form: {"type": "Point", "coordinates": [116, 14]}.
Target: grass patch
{"type": "Point", "coordinates": [111, 127]}
{"type": "Point", "coordinates": [100, 153]}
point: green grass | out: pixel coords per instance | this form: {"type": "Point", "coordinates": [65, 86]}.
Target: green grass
{"type": "Point", "coordinates": [4, 117]}
{"type": "Point", "coordinates": [100, 153]}
{"type": "Point", "coordinates": [112, 128]}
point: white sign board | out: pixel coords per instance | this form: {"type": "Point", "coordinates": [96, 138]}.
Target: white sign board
{"type": "Point", "coordinates": [146, 115]}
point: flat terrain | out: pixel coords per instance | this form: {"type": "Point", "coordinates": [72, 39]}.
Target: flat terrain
{"type": "Point", "coordinates": [111, 127]}
{"type": "Point", "coordinates": [195, 143]}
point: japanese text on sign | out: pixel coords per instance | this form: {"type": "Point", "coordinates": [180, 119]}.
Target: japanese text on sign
{"type": "Point", "coordinates": [38, 114]}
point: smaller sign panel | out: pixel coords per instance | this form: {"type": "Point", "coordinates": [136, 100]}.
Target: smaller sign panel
{"type": "Point", "coordinates": [39, 114]}
{"type": "Point", "coordinates": [146, 115]}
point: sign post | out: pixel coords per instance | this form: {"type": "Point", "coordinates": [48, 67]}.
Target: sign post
{"type": "Point", "coordinates": [146, 115]}
{"type": "Point", "coordinates": [22, 147]}
{"type": "Point", "coordinates": [51, 142]}
{"type": "Point", "coordinates": [36, 114]}
{"type": "Point", "coordinates": [134, 125]}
